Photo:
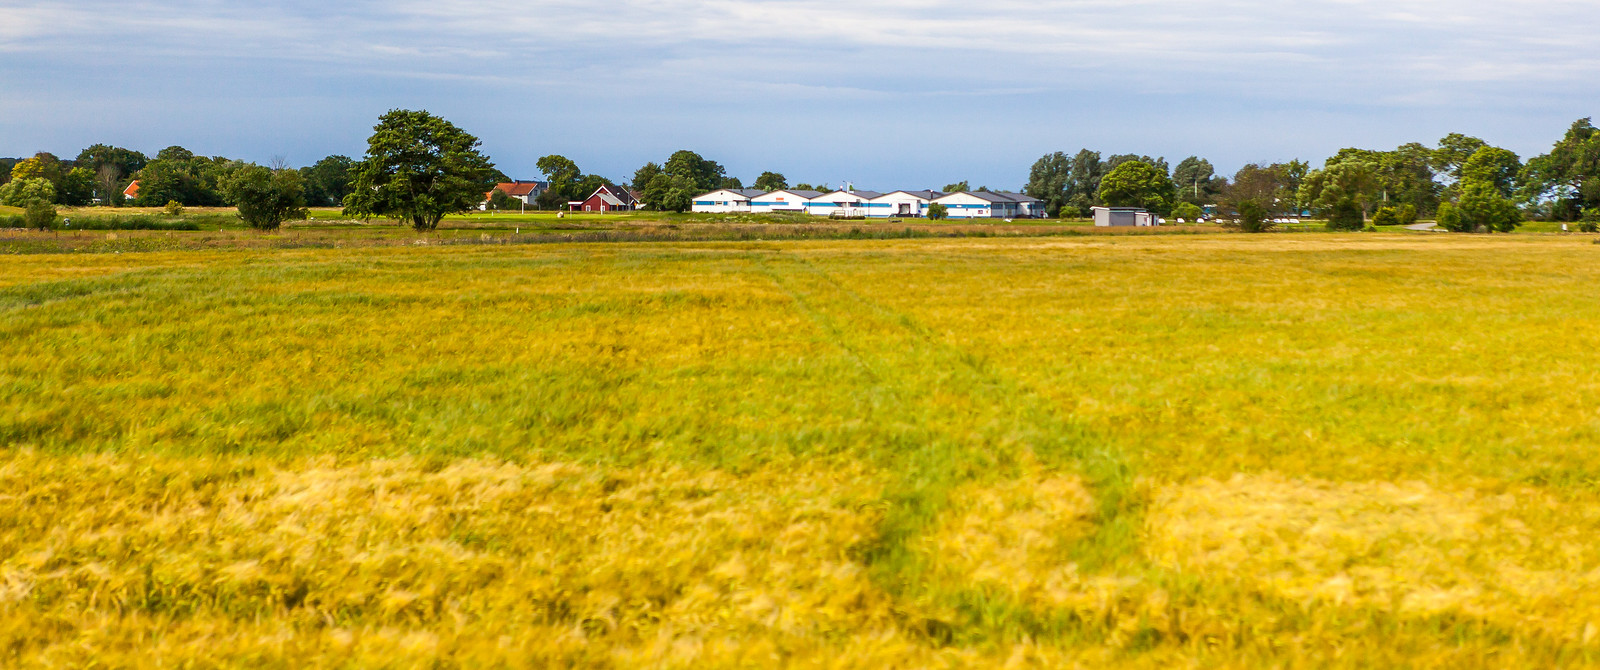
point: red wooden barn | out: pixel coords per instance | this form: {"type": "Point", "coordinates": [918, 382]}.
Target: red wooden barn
{"type": "Point", "coordinates": [606, 199]}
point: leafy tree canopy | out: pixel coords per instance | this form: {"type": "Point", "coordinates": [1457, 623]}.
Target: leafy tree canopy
{"type": "Point", "coordinates": [194, 181]}
{"type": "Point", "coordinates": [40, 215]}
{"type": "Point", "coordinates": [771, 181]}
{"type": "Point", "coordinates": [1256, 193]}
{"type": "Point", "coordinates": [418, 168]}
{"type": "Point", "coordinates": [558, 169]}
{"type": "Point", "coordinates": [1187, 211]}
{"type": "Point", "coordinates": [24, 192]}
{"type": "Point", "coordinates": [642, 176]}
{"type": "Point", "coordinates": [957, 187]}
{"type": "Point", "coordinates": [1494, 166]}
{"type": "Point", "coordinates": [1083, 190]}
{"type": "Point", "coordinates": [174, 153]}
{"type": "Point", "coordinates": [1349, 181]}
{"type": "Point", "coordinates": [1481, 208]}
{"type": "Point", "coordinates": [76, 188]}
{"type": "Point", "coordinates": [1050, 180]}
{"type": "Point", "coordinates": [705, 175]}
{"type": "Point", "coordinates": [499, 201]}
{"type": "Point", "coordinates": [1159, 164]}
{"type": "Point", "coordinates": [328, 181]}
{"type": "Point", "coordinates": [1453, 152]}
{"type": "Point", "coordinates": [670, 193]}
{"type": "Point", "coordinates": [1138, 184]}
{"type": "Point", "coordinates": [1403, 175]}
{"type": "Point", "coordinates": [1197, 181]}
{"type": "Point", "coordinates": [41, 166]}
{"type": "Point", "coordinates": [266, 198]}
{"type": "Point", "coordinates": [1570, 172]}
{"type": "Point", "coordinates": [126, 161]}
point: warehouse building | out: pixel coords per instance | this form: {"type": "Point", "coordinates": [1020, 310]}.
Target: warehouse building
{"type": "Point", "coordinates": [726, 200]}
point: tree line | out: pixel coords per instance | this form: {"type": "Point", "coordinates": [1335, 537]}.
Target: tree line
{"type": "Point", "coordinates": [419, 167]}
{"type": "Point", "coordinates": [1463, 182]}
{"type": "Point", "coordinates": [101, 173]}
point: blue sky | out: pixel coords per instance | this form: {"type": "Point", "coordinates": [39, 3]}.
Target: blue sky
{"type": "Point", "coordinates": [888, 94]}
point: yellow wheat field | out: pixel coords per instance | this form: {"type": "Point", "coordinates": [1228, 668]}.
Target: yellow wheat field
{"type": "Point", "coordinates": [1206, 451]}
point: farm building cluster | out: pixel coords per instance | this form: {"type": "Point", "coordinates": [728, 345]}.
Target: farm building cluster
{"type": "Point", "coordinates": [846, 204]}
{"type": "Point", "coordinates": [854, 204]}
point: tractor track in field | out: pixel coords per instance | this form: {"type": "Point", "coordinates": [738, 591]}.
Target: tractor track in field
{"type": "Point", "coordinates": [1011, 421]}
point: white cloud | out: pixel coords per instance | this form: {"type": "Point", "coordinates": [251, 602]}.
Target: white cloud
{"type": "Point", "coordinates": [688, 65]}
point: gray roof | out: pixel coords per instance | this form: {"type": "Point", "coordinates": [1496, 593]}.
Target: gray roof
{"type": "Point", "coordinates": [989, 196]}
{"type": "Point", "coordinates": [925, 195]}
{"type": "Point", "coordinates": [746, 192]}
{"type": "Point", "coordinates": [860, 194]}
{"type": "Point", "coordinates": [804, 194]}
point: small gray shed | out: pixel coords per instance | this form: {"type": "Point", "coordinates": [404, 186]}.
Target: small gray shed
{"type": "Point", "coordinates": [1123, 216]}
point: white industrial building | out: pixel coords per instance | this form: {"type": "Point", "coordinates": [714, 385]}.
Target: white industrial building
{"type": "Point", "coordinates": [841, 204]}
{"type": "Point", "coordinates": [782, 201]}
{"type": "Point", "coordinates": [727, 200]}
{"type": "Point", "coordinates": [872, 204]}
{"type": "Point", "coordinates": [989, 205]}
{"type": "Point", "coordinates": [901, 203]}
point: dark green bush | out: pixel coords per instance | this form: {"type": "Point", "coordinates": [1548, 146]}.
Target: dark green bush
{"type": "Point", "coordinates": [1346, 215]}
{"type": "Point", "coordinates": [39, 214]}
{"type": "Point", "coordinates": [1590, 223]}
{"type": "Point", "coordinates": [1407, 214]}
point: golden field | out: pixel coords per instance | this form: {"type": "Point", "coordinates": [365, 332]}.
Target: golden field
{"type": "Point", "coordinates": [1156, 451]}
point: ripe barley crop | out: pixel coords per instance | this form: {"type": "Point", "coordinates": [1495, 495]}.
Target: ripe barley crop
{"type": "Point", "coordinates": [1196, 451]}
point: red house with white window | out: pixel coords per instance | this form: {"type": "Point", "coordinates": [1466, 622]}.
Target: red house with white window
{"type": "Point", "coordinates": [607, 199]}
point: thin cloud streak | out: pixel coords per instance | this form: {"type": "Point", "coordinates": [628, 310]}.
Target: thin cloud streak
{"type": "Point", "coordinates": [724, 72]}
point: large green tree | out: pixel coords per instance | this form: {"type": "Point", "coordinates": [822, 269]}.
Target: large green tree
{"type": "Point", "coordinates": [111, 167]}
{"type": "Point", "coordinates": [1402, 176]}
{"type": "Point", "coordinates": [76, 187]}
{"type": "Point", "coordinates": [1138, 184]}
{"type": "Point", "coordinates": [1481, 207]}
{"type": "Point", "coordinates": [418, 168]}
{"type": "Point", "coordinates": [706, 175]}
{"type": "Point", "coordinates": [1050, 180]}
{"type": "Point", "coordinates": [170, 180]}
{"type": "Point", "coordinates": [23, 192]}
{"type": "Point", "coordinates": [771, 181]}
{"type": "Point", "coordinates": [177, 174]}
{"type": "Point", "coordinates": [1453, 153]}
{"type": "Point", "coordinates": [1083, 191]}
{"type": "Point", "coordinates": [266, 198]}
{"type": "Point", "coordinates": [42, 165]}
{"type": "Point", "coordinates": [1494, 166]}
{"type": "Point", "coordinates": [566, 181]}
{"type": "Point", "coordinates": [127, 161]}
{"type": "Point", "coordinates": [1197, 181]}
{"type": "Point", "coordinates": [643, 175]}
{"type": "Point", "coordinates": [1257, 193]}
{"type": "Point", "coordinates": [1114, 160]}
{"type": "Point", "coordinates": [670, 193]}
{"type": "Point", "coordinates": [328, 181]}
{"type": "Point", "coordinates": [1569, 174]}
{"type": "Point", "coordinates": [1350, 182]}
